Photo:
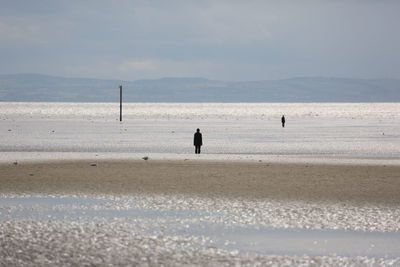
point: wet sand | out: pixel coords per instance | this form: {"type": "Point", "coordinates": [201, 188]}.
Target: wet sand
{"type": "Point", "coordinates": [358, 184]}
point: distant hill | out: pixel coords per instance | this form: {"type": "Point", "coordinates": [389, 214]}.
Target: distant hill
{"type": "Point", "coordinates": [43, 88]}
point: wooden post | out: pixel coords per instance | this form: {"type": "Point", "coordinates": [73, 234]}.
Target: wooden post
{"type": "Point", "coordinates": [120, 103]}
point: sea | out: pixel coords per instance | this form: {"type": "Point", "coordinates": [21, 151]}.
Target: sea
{"type": "Point", "coordinates": [151, 230]}
{"type": "Point", "coordinates": [231, 131]}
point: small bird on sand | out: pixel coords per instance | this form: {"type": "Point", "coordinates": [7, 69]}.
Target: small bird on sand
{"type": "Point", "coordinates": [145, 158]}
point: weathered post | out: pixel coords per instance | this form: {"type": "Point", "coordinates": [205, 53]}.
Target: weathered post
{"type": "Point", "coordinates": [120, 103]}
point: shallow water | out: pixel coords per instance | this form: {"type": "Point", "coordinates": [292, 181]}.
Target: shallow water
{"type": "Point", "coordinates": [209, 226]}
{"type": "Point", "coordinates": [318, 130]}
{"type": "Point", "coordinates": [47, 230]}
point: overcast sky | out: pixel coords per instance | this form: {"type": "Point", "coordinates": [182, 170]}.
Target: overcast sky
{"type": "Point", "coordinates": [224, 40]}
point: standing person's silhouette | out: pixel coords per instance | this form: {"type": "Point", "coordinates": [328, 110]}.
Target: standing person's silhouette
{"type": "Point", "coordinates": [283, 120]}
{"type": "Point", "coordinates": [197, 141]}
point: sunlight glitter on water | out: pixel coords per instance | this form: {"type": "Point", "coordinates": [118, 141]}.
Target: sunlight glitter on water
{"type": "Point", "coordinates": [215, 226]}
{"type": "Point", "coordinates": [330, 129]}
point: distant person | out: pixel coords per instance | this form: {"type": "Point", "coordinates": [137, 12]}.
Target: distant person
{"type": "Point", "coordinates": [197, 141]}
{"type": "Point", "coordinates": [283, 120]}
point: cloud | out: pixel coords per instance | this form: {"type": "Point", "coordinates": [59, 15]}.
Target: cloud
{"type": "Point", "coordinates": [147, 68]}
{"type": "Point", "coordinates": [237, 22]}
{"type": "Point", "coordinates": [190, 22]}
{"type": "Point", "coordinates": [15, 30]}
{"type": "Point", "coordinates": [33, 30]}
{"type": "Point", "coordinates": [146, 65]}
{"type": "Point", "coordinates": [222, 39]}
{"type": "Point", "coordinates": [151, 68]}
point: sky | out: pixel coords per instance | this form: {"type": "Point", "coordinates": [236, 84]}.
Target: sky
{"type": "Point", "coordinates": [215, 39]}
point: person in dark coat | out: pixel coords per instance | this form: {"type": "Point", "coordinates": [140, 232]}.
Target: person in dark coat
{"type": "Point", "coordinates": [283, 120]}
{"type": "Point", "coordinates": [197, 141]}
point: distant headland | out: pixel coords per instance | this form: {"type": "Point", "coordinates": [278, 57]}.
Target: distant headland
{"type": "Point", "coordinates": [45, 88]}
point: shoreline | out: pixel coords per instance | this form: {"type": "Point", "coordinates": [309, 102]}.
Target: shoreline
{"type": "Point", "coordinates": [7, 157]}
{"type": "Point", "coordinates": [310, 182]}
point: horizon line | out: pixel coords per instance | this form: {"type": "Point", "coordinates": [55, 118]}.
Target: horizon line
{"type": "Point", "coordinates": [198, 77]}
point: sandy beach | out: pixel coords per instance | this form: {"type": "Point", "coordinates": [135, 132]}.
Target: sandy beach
{"type": "Point", "coordinates": [358, 184]}
{"type": "Point", "coordinates": [321, 191]}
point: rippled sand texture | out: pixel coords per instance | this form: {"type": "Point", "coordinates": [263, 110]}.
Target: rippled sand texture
{"type": "Point", "coordinates": [305, 182]}
{"type": "Point", "coordinates": [231, 195]}
{"type": "Point", "coordinates": [71, 192]}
